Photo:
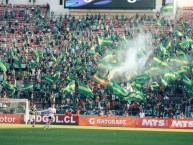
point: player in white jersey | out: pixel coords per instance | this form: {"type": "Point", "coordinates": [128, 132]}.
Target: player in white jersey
{"type": "Point", "coordinates": [51, 111]}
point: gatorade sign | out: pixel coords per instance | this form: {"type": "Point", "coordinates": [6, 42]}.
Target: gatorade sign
{"type": "Point", "coordinates": [106, 121]}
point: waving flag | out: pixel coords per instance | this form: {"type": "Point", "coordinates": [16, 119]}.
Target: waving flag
{"type": "Point", "coordinates": [70, 87]}
{"type": "Point", "coordinates": [117, 89]}
{"type": "Point", "coordinates": [168, 7]}
{"type": "Point", "coordinates": [47, 78]}
{"type": "Point", "coordinates": [3, 65]}
{"type": "Point", "coordinates": [27, 87]}
{"type": "Point", "coordinates": [84, 89]}
{"type": "Point", "coordinates": [100, 79]}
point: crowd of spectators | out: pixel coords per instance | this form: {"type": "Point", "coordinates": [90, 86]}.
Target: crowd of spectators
{"type": "Point", "coordinates": [27, 29]}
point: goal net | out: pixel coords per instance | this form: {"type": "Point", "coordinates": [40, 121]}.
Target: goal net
{"type": "Point", "coordinates": [15, 106]}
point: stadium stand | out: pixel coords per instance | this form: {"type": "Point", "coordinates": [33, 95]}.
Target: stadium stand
{"type": "Point", "coordinates": [50, 59]}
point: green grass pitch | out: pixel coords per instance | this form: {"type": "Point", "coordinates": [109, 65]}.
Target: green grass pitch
{"type": "Point", "coordinates": [76, 135]}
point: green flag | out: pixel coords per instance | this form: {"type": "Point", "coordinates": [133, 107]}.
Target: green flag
{"type": "Point", "coordinates": [174, 60]}
{"type": "Point", "coordinates": [160, 62]}
{"type": "Point", "coordinates": [53, 58]}
{"type": "Point", "coordinates": [105, 41]}
{"type": "Point", "coordinates": [102, 66]}
{"type": "Point", "coordinates": [168, 45]}
{"type": "Point", "coordinates": [187, 82]}
{"type": "Point", "coordinates": [27, 87]}
{"type": "Point", "coordinates": [70, 77]}
{"type": "Point", "coordinates": [47, 78]}
{"type": "Point", "coordinates": [184, 26]}
{"type": "Point", "coordinates": [162, 49]}
{"type": "Point", "coordinates": [189, 39]}
{"type": "Point", "coordinates": [191, 45]}
{"type": "Point", "coordinates": [136, 85]}
{"type": "Point", "coordinates": [61, 55]}
{"type": "Point", "coordinates": [100, 79]}
{"type": "Point", "coordinates": [56, 76]}
{"type": "Point", "coordinates": [179, 52]}
{"type": "Point", "coordinates": [182, 70]}
{"type": "Point", "coordinates": [37, 59]}
{"type": "Point", "coordinates": [70, 87]}
{"type": "Point", "coordinates": [164, 82]}
{"type": "Point", "coordinates": [190, 93]}
{"type": "Point", "coordinates": [170, 76]}
{"type": "Point", "coordinates": [178, 33]}
{"type": "Point", "coordinates": [117, 89]}
{"type": "Point", "coordinates": [184, 44]}
{"type": "Point", "coordinates": [151, 70]}
{"type": "Point", "coordinates": [158, 22]}
{"type": "Point", "coordinates": [141, 78]}
{"type": "Point", "coordinates": [17, 61]}
{"type": "Point", "coordinates": [3, 65]}
{"type": "Point", "coordinates": [92, 50]}
{"type": "Point", "coordinates": [123, 38]}
{"type": "Point", "coordinates": [167, 8]}
{"type": "Point", "coordinates": [8, 86]}
{"type": "Point", "coordinates": [134, 96]}
{"type": "Point", "coordinates": [154, 86]}
{"type": "Point", "coordinates": [108, 56]}
{"type": "Point", "coordinates": [162, 21]}
{"type": "Point", "coordinates": [84, 89]}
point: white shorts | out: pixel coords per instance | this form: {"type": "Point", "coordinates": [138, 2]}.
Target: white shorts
{"type": "Point", "coordinates": [31, 117]}
{"type": "Point", "coordinates": [51, 117]}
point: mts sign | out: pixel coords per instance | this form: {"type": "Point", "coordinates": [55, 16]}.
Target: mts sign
{"type": "Point", "coordinates": [153, 123]}
{"type": "Point", "coordinates": [182, 124]}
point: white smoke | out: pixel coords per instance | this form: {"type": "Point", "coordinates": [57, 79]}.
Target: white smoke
{"type": "Point", "coordinates": [133, 61]}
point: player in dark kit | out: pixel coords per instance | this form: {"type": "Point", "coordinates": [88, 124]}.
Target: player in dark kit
{"type": "Point", "coordinates": [32, 115]}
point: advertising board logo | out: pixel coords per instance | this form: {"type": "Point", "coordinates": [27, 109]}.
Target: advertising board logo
{"type": "Point", "coordinates": [182, 123]}
{"type": "Point", "coordinates": [107, 121]}
{"type": "Point", "coordinates": [153, 122]}
{"type": "Point", "coordinates": [11, 118]}
{"type": "Point", "coordinates": [6, 119]}
{"type": "Point", "coordinates": [58, 119]}
{"type": "Point", "coordinates": [92, 121]}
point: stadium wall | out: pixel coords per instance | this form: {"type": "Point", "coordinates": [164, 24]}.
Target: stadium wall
{"type": "Point", "coordinates": [107, 121]}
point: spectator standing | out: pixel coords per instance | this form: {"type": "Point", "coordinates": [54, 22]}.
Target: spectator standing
{"type": "Point", "coordinates": [141, 114]}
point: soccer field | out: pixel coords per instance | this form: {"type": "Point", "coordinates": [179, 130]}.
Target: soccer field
{"type": "Point", "coordinates": [75, 135]}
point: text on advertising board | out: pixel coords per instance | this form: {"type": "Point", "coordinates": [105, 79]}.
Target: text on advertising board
{"type": "Point", "coordinates": [58, 119]}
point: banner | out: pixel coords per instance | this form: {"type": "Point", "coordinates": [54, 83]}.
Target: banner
{"type": "Point", "coordinates": [164, 123]}
{"type": "Point", "coordinates": [113, 121]}
{"type": "Point", "coordinates": [181, 123]}
{"type": "Point", "coordinates": [152, 123]}
{"type": "Point", "coordinates": [58, 119]}
{"type": "Point", "coordinates": [11, 118]}
{"type": "Point", "coordinates": [107, 121]}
